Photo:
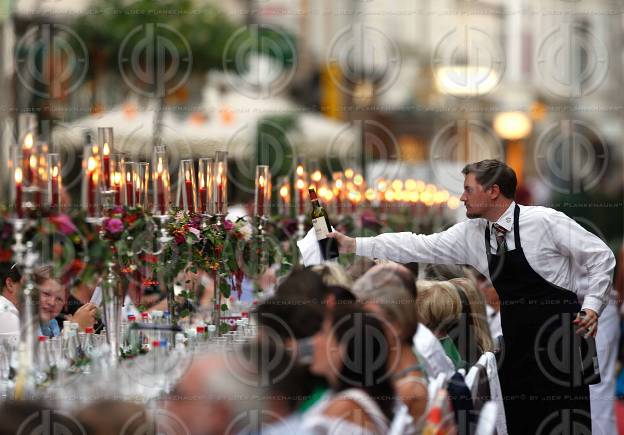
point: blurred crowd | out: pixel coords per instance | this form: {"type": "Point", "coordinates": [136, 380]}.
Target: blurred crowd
{"type": "Point", "coordinates": [337, 351]}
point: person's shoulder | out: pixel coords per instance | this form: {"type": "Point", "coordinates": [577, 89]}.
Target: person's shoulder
{"type": "Point", "coordinates": [470, 224]}
{"type": "Point", "coordinates": [538, 211]}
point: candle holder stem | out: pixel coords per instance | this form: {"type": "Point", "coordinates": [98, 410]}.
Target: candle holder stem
{"type": "Point", "coordinates": [25, 381]}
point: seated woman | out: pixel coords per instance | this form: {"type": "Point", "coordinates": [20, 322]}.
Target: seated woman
{"type": "Point", "coordinates": [440, 307]}
{"type": "Point", "coordinates": [51, 301]}
{"type": "Point", "coordinates": [383, 292]}
{"type": "Point", "coordinates": [356, 368]}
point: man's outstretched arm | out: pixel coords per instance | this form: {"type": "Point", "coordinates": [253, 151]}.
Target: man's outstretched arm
{"type": "Point", "coordinates": [446, 247]}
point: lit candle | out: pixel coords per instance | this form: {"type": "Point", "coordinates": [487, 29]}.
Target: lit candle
{"type": "Point", "coordinates": [117, 187]}
{"type": "Point", "coordinates": [27, 153]}
{"type": "Point", "coordinates": [189, 191]}
{"type": "Point", "coordinates": [300, 186]}
{"type": "Point", "coordinates": [160, 186]}
{"type": "Point", "coordinates": [130, 190]}
{"type": "Point", "coordinates": [284, 195]}
{"type": "Point", "coordinates": [18, 192]}
{"type": "Point", "coordinates": [92, 182]}
{"type": "Point", "coordinates": [202, 194]}
{"type": "Point", "coordinates": [261, 182]}
{"type": "Point", "coordinates": [106, 163]}
{"type": "Point", "coordinates": [220, 188]}
{"type": "Point", "coordinates": [55, 188]}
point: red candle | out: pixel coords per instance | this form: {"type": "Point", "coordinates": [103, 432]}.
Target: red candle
{"type": "Point", "coordinates": [91, 194]}
{"type": "Point", "coordinates": [189, 194]}
{"type": "Point", "coordinates": [300, 194]}
{"type": "Point", "coordinates": [137, 198]}
{"type": "Point", "coordinates": [117, 195]}
{"type": "Point", "coordinates": [26, 164]}
{"type": "Point", "coordinates": [55, 191]}
{"type": "Point", "coordinates": [202, 199]}
{"type": "Point", "coordinates": [18, 192]}
{"type": "Point", "coordinates": [219, 196]}
{"type": "Point", "coordinates": [106, 160]}
{"type": "Point", "coordinates": [161, 195]}
{"type": "Point", "coordinates": [129, 193]}
{"type": "Point", "coordinates": [261, 197]}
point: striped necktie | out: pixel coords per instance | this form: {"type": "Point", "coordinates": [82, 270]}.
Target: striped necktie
{"type": "Point", "coordinates": [500, 238]}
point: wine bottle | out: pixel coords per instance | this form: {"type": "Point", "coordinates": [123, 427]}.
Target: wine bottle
{"type": "Point", "coordinates": [320, 221]}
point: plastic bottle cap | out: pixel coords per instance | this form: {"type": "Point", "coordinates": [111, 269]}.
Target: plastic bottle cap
{"type": "Point", "coordinates": [42, 338]}
{"type": "Point", "coordinates": [200, 329]}
{"type": "Point", "coordinates": [163, 343]}
{"type": "Point", "coordinates": [245, 314]}
{"type": "Point", "coordinates": [155, 343]}
{"type": "Point", "coordinates": [145, 314]}
{"type": "Point", "coordinates": [89, 330]}
{"type": "Point", "coordinates": [131, 317]}
{"type": "Point", "coordinates": [435, 415]}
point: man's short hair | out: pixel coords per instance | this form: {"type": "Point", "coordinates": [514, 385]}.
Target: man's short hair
{"type": "Point", "coordinates": [10, 271]}
{"type": "Point", "coordinates": [490, 172]}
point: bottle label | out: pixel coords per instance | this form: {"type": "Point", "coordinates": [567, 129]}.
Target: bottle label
{"type": "Point", "coordinates": [320, 228]}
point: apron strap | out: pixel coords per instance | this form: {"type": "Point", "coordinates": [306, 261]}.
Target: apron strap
{"type": "Point", "coordinates": [487, 241]}
{"type": "Point", "coordinates": [517, 226]}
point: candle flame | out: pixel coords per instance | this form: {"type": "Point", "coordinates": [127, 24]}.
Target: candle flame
{"type": "Point", "coordinates": [55, 171]}
{"type": "Point", "coordinates": [106, 150]}
{"type": "Point", "coordinates": [117, 178]}
{"type": "Point", "coordinates": [300, 184]}
{"type": "Point", "coordinates": [159, 166]}
{"type": "Point", "coordinates": [339, 184]}
{"type": "Point", "coordinates": [18, 175]}
{"type": "Point", "coordinates": [201, 182]}
{"type": "Point", "coordinates": [91, 165]}
{"type": "Point", "coordinates": [33, 161]}
{"type": "Point", "coordinates": [348, 173]}
{"type": "Point", "coordinates": [187, 175]}
{"type": "Point", "coordinates": [28, 141]}
{"type": "Point", "coordinates": [370, 194]}
{"type": "Point", "coordinates": [358, 180]}
{"type": "Point", "coordinates": [128, 176]}
{"type": "Point", "coordinates": [316, 176]}
{"type": "Point", "coordinates": [300, 170]}
{"type": "Point", "coordinates": [261, 181]}
{"type": "Point", "coordinates": [284, 192]}
{"type": "Point", "coordinates": [95, 149]}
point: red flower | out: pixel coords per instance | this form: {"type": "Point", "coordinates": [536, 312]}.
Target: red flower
{"type": "Point", "coordinates": [129, 219]}
{"type": "Point", "coordinates": [64, 224]}
{"type": "Point", "coordinates": [150, 258]}
{"type": "Point", "coordinates": [5, 255]}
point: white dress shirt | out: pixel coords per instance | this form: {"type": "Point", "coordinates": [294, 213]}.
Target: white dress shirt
{"type": "Point", "coordinates": [9, 318]}
{"type": "Point", "coordinates": [556, 247]}
{"type": "Point", "coordinates": [434, 359]}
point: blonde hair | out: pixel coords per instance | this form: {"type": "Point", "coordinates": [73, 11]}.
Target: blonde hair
{"type": "Point", "coordinates": [383, 286]}
{"type": "Point", "coordinates": [333, 274]}
{"type": "Point", "coordinates": [478, 316]}
{"type": "Point", "coordinates": [42, 273]}
{"type": "Point", "coordinates": [438, 305]}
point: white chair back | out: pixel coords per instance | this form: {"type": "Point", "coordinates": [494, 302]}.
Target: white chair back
{"type": "Point", "coordinates": [433, 388]}
{"type": "Point", "coordinates": [401, 421]}
{"type": "Point", "coordinates": [487, 419]}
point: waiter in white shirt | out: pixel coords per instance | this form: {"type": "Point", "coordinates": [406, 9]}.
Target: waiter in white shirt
{"type": "Point", "coordinates": [533, 261]}
{"type": "Point", "coordinates": [9, 297]}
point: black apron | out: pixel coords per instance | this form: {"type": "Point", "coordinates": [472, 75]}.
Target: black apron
{"type": "Point", "coordinates": [544, 367]}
